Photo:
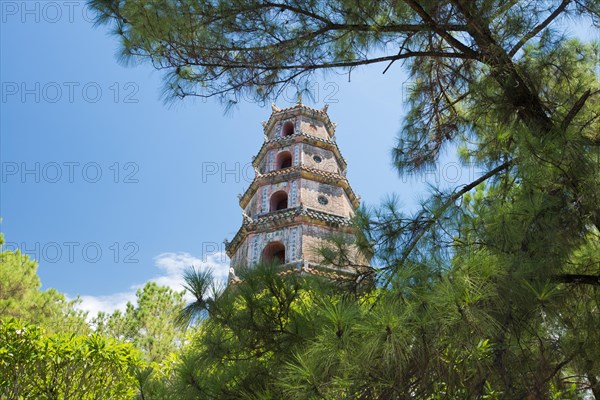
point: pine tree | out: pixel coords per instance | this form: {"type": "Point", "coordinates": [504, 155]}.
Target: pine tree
{"type": "Point", "coordinates": [490, 290]}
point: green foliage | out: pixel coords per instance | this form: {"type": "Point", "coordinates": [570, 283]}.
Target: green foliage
{"type": "Point", "coordinates": [37, 365]}
{"type": "Point", "coordinates": [461, 335]}
{"type": "Point", "coordinates": [54, 355]}
{"type": "Point", "coordinates": [156, 381]}
{"type": "Point", "coordinates": [21, 297]}
{"type": "Point", "coordinates": [490, 290]}
{"type": "Point", "coordinates": [252, 329]}
{"type": "Point", "coordinates": [201, 285]}
{"type": "Point", "coordinates": [149, 324]}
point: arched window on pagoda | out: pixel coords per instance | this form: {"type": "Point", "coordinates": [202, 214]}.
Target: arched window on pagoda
{"type": "Point", "coordinates": [279, 201]}
{"type": "Point", "coordinates": [287, 129]}
{"type": "Point", "coordinates": [284, 160]}
{"type": "Point", "coordinates": [274, 253]}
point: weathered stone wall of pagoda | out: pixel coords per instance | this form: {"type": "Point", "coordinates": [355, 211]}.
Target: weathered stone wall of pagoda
{"type": "Point", "coordinates": [301, 154]}
{"type": "Point", "coordinates": [313, 193]}
{"type": "Point", "coordinates": [302, 243]}
{"type": "Point", "coordinates": [250, 252]}
{"type": "Point", "coordinates": [308, 125]}
{"type": "Point", "coordinates": [316, 157]}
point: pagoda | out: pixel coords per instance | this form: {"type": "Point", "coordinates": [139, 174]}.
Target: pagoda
{"type": "Point", "coordinates": [298, 199]}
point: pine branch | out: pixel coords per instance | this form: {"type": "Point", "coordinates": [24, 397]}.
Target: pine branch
{"type": "Point", "coordinates": [575, 109]}
{"type": "Point", "coordinates": [539, 28]}
{"type": "Point", "coordinates": [440, 31]}
{"type": "Point", "coordinates": [516, 87]}
{"type": "Point", "coordinates": [438, 213]}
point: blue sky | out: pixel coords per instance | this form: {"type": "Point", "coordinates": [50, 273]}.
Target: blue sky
{"type": "Point", "coordinates": [108, 187]}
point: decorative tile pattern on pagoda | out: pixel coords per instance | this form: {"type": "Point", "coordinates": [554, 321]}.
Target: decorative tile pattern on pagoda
{"type": "Point", "coordinates": [326, 144]}
{"type": "Point", "coordinates": [282, 218]}
{"type": "Point", "coordinates": [301, 171]}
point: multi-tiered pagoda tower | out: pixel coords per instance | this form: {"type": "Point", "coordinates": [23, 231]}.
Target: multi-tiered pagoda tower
{"type": "Point", "coordinates": [299, 197]}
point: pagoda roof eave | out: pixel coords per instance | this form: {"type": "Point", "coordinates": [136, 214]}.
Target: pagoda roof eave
{"type": "Point", "coordinates": [286, 217]}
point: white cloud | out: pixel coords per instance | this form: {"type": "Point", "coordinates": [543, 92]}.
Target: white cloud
{"type": "Point", "coordinates": [171, 266]}
{"type": "Point", "coordinates": [107, 303]}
